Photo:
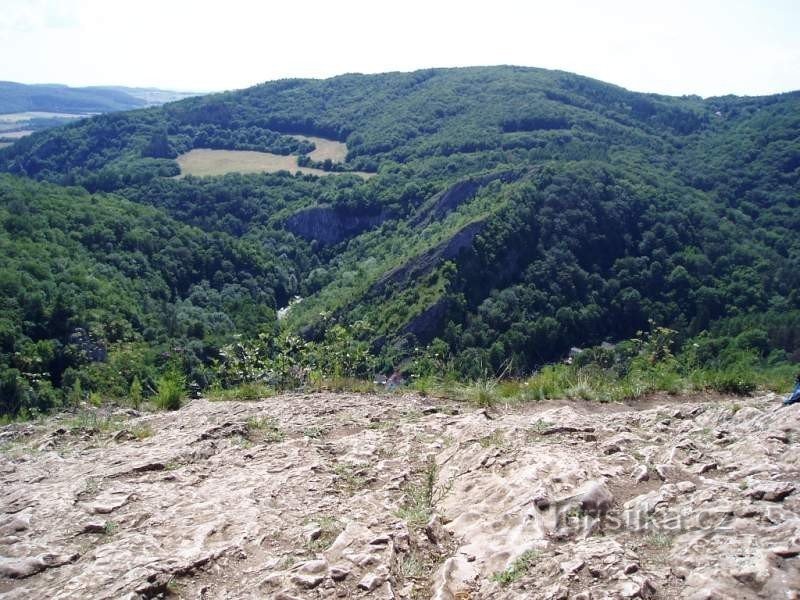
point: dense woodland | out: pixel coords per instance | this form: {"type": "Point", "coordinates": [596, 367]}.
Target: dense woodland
{"type": "Point", "coordinates": [515, 213]}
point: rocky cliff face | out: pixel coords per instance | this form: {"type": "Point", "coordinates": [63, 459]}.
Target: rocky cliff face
{"type": "Point", "coordinates": [328, 225]}
{"type": "Point", "coordinates": [397, 496]}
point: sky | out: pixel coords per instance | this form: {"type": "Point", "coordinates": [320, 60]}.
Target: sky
{"type": "Point", "coordinates": [703, 47]}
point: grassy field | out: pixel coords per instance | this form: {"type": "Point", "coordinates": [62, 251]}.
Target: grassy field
{"type": "Point", "coordinates": [203, 162]}
{"type": "Point", "coordinates": [325, 149]}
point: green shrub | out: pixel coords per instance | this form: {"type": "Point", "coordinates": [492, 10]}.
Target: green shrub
{"type": "Point", "coordinates": [135, 393]}
{"type": "Point", "coordinates": [739, 381]}
{"type": "Point", "coordinates": [170, 390]}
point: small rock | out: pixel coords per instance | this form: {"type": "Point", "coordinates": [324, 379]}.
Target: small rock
{"type": "Point", "coordinates": [339, 573]}
{"type": "Point", "coordinates": [637, 589]}
{"type": "Point", "coordinates": [94, 527]}
{"type": "Point", "coordinates": [19, 568]}
{"type": "Point", "coordinates": [630, 568]}
{"type": "Point", "coordinates": [370, 581]}
{"type": "Point", "coordinates": [381, 540]}
{"type": "Point", "coordinates": [315, 567]}
{"type": "Point", "coordinates": [17, 523]}
{"type": "Point", "coordinates": [312, 532]}
{"type": "Point", "coordinates": [123, 435]}
{"type": "Point", "coordinates": [572, 566]}
{"type": "Point", "coordinates": [47, 445]}
{"type": "Point", "coordinates": [668, 472]}
{"type": "Point", "coordinates": [785, 551]}
{"type": "Point", "coordinates": [435, 531]}
{"type": "Point", "coordinates": [640, 474]}
{"type": "Point", "coordinates": [772, 491]}
{"type": "Point", "coordinates": [686, 487]}
{"type": "Point", "coordinates": [597, 572]}
{"type": "Point", "coordinates": [596, 498]}
{"type": "Point", "coordinates": [306, 581]}
{"type": "Point", "coordinates": [556, 592]}
{"type": "Point", "coordinates": [747, 512]}
{"type": "Point", "coordinates": [706, 467]}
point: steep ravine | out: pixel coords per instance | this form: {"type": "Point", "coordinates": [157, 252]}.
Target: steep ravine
{"type": "Point", "coordinates": [399, 496]}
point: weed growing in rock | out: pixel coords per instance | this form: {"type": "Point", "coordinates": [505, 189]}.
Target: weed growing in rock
{"type": "Point", "coordinates": [496, 439]}
{"type": "Point", "coordinates": [141, 432]}
{"type": "Point", "coordinates": [349, 478]}
{"type": "Point", "coordinates": [314, 432]}
{"type": "Point", "coordinates": [267, 429]}
{"type": "Point", "coordinates": [412, 566]}
{"type": "Point", "coordinates": [518, 568]}
{"type": "Point", "coordinates": [538, 428]}
{"type": "Point", "coordinates": [329, 529]}
{"type": "Point", "coordinates": [422, 496]}
{"type": "Point", "coordinates": [110, 528]}
{"type": "Point", "coordinates": [659, 540]}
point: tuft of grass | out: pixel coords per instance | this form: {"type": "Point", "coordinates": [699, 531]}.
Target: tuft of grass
{"type": "Point", "coordinates": [349, 478]}
{"type": "Point", "coordinates": [111, 527]}
{"type": "Point", "coordinates": [538, 428]}
{"type": "Point", "coordinates": [421, 497]}
{"type": "Point", "coordinates": [92, 420]}
{"type": "Point", "coordinates": [518, 568]}
{"type": "Point", "coordinates": [659, 540]}
{"type": "Point", "coordinates": [267, 428]}
{"type": "Point", "coordinates": [496, 439]}
{"type": "Point", "coordinates": [314, 432]}
{"type": "Point", "coordinates": [413, 566]}
{"type": "Point", "coordinates": [243, 392]}
{"type": "Point", "coordinates": [342, 384]}
{"type": "Point", "coordinates": [143, 431]}
{"type": "Point", "coordinates": [330, 528]}
{"type": "Point", "coordinates": [482, 392]}
{"type": "Point", "coordinates": [170, 390]}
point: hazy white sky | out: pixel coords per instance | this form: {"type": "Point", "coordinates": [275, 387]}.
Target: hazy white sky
{"type": "Point", "coordinates": [706, 47]}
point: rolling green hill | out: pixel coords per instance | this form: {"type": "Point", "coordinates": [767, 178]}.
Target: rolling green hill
{"type": "Point", "coordinates": [515, 212]}
{"type": "Point", "coordinates": [87, 276]}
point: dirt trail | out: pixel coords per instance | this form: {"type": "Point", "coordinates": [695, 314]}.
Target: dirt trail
{"type": "Point", "coordinates": [398, 496]}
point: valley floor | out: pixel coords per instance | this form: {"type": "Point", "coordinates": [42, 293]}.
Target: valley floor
{"type": "Point", "coordinates": [399, 496]}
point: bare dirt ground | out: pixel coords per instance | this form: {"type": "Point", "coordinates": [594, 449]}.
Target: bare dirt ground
{"type": "Point", "coordinates": [401, 497]}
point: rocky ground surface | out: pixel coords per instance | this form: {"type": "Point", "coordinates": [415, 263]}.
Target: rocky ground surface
{"type": "Point", "coordinates": [403, 497]}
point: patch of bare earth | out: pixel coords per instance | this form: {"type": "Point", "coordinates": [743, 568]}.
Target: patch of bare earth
{"type": "Point", "coordinates": [396, 496]}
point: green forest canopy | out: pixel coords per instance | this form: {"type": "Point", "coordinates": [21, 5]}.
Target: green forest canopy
{"type": "Point", "coordinates": [515, 213]}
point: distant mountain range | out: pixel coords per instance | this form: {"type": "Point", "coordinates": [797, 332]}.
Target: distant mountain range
{"type": "Point", "coordinates": [20, 97]}
{"type": "Point", "coordinates": [26, 108]}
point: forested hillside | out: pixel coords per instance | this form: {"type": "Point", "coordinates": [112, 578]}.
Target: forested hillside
{"type": "Point", "coordinates": [515, 213]}
{"type": "Point", "coordinates": [100, 283]}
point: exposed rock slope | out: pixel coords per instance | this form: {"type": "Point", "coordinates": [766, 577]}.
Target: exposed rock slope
{"type": "Point", "coordinates": [389, 496]}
